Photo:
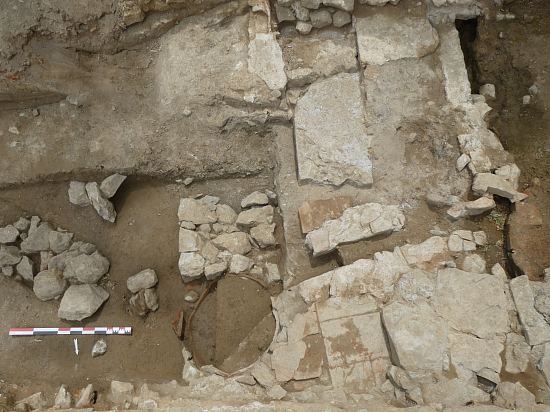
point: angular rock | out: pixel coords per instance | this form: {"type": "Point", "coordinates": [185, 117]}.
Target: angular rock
{"type": "Point", "coordinates": [462, 162]}
{"type": "Point", "coordinates": [9, 255]}
{"type": "Point", "coordinates": [471, 208]}
{"type": "Point", "coordinates": [236, 243]}
{"type": "Point", "coordinates": [8, 234]}
{"type": "Point", "coordinates": [484, 149]}
{"type": "Point", "coordinates": [256, 198]}
{"type": "Point", "coordinates": [300, 11]}
{"type": "Point", "coordinates": [49, 285]}
{"type": "Point", "coordinates": [453, 393]}
{"type": "Point", "coordinates": [111, 184]}
{"type": "Point", "coordinates": [382, 38]}
{"type": "Point", "coordinates": [461, 297]}
{"type": "Point", "coordinates": [122, 393]}
{"type": "Point", "coordinates": [265, 59]}
{"type": "Point", "coordinates": [191, 296]}
{"type": "Point", "coordinates": [99, 348]}
{"type": "Point", "coordinates": [320, 113]}
{"type": "Point", "coordinates": [240, 264]}
{"type": "Point", "coordinates": [474, 264]}
{"type": "Point", "coordinates": [59, 241]}
{"type": "Point", "coordinates": [313, 213]}
{"type": "Point", "coordinates": [25, 269]}
{"type": "Point", "coordinates": [284, 13]}
{"type": "Point", "coordinates": [38, 239]}
{"type": "Point", "coordinates": [418, 336]}
{"type": "Point", "coordinates": [7, 271]}
{"type": "Point", "coordinates": [78, 195]}
{"type": "Point", "coordinates": [302, 27]}
{"type": "Point", "coordinates": [510, 395]}
{"type": "Point", "coordinates": [86, 398]}
{"type": "Point", "coordinates": [480, 238]}
{"type": "Point", "coordinates": [189, 241]}
{"type": "Point", "coordinates": [86, 268]}
{"type": "Point", "coordinates": [273, 274]}
{"type": "Point", "coordinates": [356, 223]}
{"type": "Point", "coordinates": [81, 301]}
{"type": "Point", "coordinates": [496, 185]}
{"type": "Point", "coordinates": [22, 224]}
{"type": "Point", "coordinates": [471, 356]}
{"type": "Point", "coordinates": [215, 270]}
{"type": "Point", "coordinates": [143, 280]}
{"type": "Point", "coordinates": [425, 251]}
{"type": "Point", "coordinates": [488, 91]}
{"type": "Point", "coordinates": [151, 299]}
{"type": "Point", "coordinates": [516, 353]}
{"type": "Point", "coordinates": [33, 402]}
{"type": "Point", "coordinates": [191, 266]}
{"type": "Point", "coordinates": [264, 235]}
{"type": "Point", "coordinates": [225, 214]}
{"type": "Point", "coordinates": [196, 212]}
{"type": "Point", "coordinates": [535, 328]}
{"type": "Point", "coordinates": [103, 207]}
{"type": "Point", "coordinates": [461, 241]}
{"type": "Point", "coordinates": [255, 216]}
{"type": "Point", "coordinates": [138, 306]}
{"type": "Point", "coordinates": [63, 399]}
{"type": "Point", "coordinates": [320, 18]}
{"type": "Point", "coordinates": [511, 173]}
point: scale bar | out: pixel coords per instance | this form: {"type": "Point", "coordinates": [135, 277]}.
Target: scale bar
{"type": "Point", "coordinates": [100, 330]}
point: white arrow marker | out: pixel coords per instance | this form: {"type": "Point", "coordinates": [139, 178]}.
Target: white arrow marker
{"type": "Point", "coordinates": [75, 346]}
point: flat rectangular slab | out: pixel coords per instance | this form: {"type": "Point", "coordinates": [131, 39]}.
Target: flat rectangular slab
{"type": "Point", "coordinates": [332, 146]}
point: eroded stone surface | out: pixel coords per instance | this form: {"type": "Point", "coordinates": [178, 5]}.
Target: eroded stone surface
{"type": "Point", "coordinates": [81, 301]}
{"type": "Point", "coordinates": [332, 146]}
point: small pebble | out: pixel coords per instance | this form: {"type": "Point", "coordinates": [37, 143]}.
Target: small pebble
{"type": "Point", "coordinates": [191, 296]}
{"type": "Point", "coordinates": [99, 348]}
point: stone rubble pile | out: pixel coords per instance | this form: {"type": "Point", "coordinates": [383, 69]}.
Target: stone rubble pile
{"type": "Point", "coordinates": [398, 323]}
{"type": "Point", "coordinates": [356, 223]}
{"type": "Point", "coordinates": [310, 14]}
{"type": "Point", "coordinates": [144, 295]}
{"type": "Point", "coordinates": [55, 265]}
{"type": "Point", "coordinates": [97, 195]}
{"type": "Point", "coordinates": [214, 239]}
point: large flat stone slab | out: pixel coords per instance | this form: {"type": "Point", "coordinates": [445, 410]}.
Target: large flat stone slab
{"type": "Point", "coordinates": [332, 145]}
{"type": "Point", "coordinates": [382, 38]}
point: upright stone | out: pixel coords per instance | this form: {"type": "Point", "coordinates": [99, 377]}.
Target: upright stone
{"type": "Point", "coordinates": [332, 146]}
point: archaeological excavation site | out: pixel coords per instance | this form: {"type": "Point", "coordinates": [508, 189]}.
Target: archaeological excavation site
{"type": "Point", "coordinates": [275, 205]}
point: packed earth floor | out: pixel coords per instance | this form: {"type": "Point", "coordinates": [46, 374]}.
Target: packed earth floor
{"type": "Point", "coordinates": [306, 205]}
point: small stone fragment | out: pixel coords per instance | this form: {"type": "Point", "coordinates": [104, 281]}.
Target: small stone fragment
{"type": "Point", "coordinates": [7, 271]}
{"type": "Point", "coordinates": [33, 402]}
{"type": "Point", "coordinates": [151, 299]}
{"type": "Point", "coordinates": [87, 397]}
{"type": "Point", "coordinates": [516, 353]}
{"type": "Point", "coordinates": [122, 393]}
{"type": "Point", "coordinates": [103, 207]}
{"type": "Point", "coordinates": [300, 11]}
{"type": "Point", "coordinates": [303, 27]}
{"type": "Point", "coordinates": [462, 161]}
{"type": "Point", "coordinates": [496, 185]}
{"type": "Point", "coordinates": [81, 301]}
{"type": "Point", "coordinates": [191, 266]}
{"type": "Point", "coordinates": [63, 399]}
{"type": "Point", "coordinates": [236, 243]}
{"type": "Point", "coordinates": [474, 264]}
{"type": "Point", "coordinates": [256, 198]}
{"type": "Point", "coordinates": [191, 296]}
{"type": "Point", "coordinates": [8, 234]}
{"type": "Point", "coordinates": [264, 235]}
{"type": "Point", "coordinates": [320, 18]}
{"type": "Point", "coordinates": [86, 268]}
{"type": "Point", "coordinates": [143, 280]}
{"type": "Point", "coordinates": [188, 180]}
{"type": "Point", "coordinates": [273, 274]}
{"type": "Point", "coordinates": [9, 255]}
{"type": "Point", "coordinates": [215, 270]}
{"type": "Point", "coordinates": [526, 100]}
{"type": "Point", "coordinates": [38, 239]}
{"type": "Point", "coordinates": [138, 306]}
{"type": "Point", "coordinates": [341, 18]}
{"type": "Point", "coordinates": [488, 91]}
{"type": "Point", "coordinates": [99, 348]}
{"type": "Point", "coordinates": [59, 241]}
{"type": "Point", "coordinates": [49, 285]}
{"type": "Point", "coordinates": [480, 237]}
{"type": "Point", "coordinates": [78, 195]}
{"type": "Point", "coordinates": [240, 264]}
{"type": "Point", "coordinates": [22, 224]}
{"type": "Point", "coordinates": [111, 184]}
{"type": "Point", "coordinates": [25, 269]}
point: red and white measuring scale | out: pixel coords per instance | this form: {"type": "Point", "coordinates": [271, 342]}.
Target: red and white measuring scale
{"type": "Point", "coordinates": [98, 330]}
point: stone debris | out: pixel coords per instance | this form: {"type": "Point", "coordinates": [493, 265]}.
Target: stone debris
{"type": "Point", "coordinates": [516, 354]}
{"type": "Point", "coordinates": [78, 195]}
{"type": "Point", "coordinates": [313, 213]}
{"type": "Point", "coordinates": [87, 397]}
{"type": "Point", "coordinates": [381, 38]}
{"type": "Point", "coordinates": [81, 301]}
{"type": "Point", "coordinates": [462, 161]}
{"type": "Point", "coordinates": [196, 212]}
{"type": "Point", "coordinates": [111, 184]}
{"type": "Point", "coordinates": [488, 91]}
{"type": "Point", "coordinates": [255, 216]}
{"type": "Point", "coordinates": [263, 235]}
{"type": "Point", "coordinates": [265, 60]}
{"type": "Point", "coordinates": [25, 269]}
{"type": "Point", "coordinates": [319, 112]}
{"type": "Point", "coordinates": [471, 208]}
{"type": "Point", "coordinates": [510, 395]}
{"type": "Point", "coordinates": [496, 185]}
{"type": "Point", "coordinates": [99, 348]}
{"type": "Point", "coordinates": [256, 198]}
{"type": "Point", "coordinates": [36, 401]}
{"type": "Point", "coordinates": [240, 264]}
{"type": "Point", "coordinates": [9, 255]}
{"type": "Point", "coordinates": [86, 268]}
{"type": "Point", "coordinates": [474, 263]}
{"type": "Point", "coordinates": [22, 224]}
{"type": "Point", "coordinates": [122, 393]}
{"type": "Point", "coordinates": [103, 207]}
{"type": "Point", "coordinates": [215, 270]}
{"type": "Point", "coordinates": [8, 234]}
{"type": "Point", "coordinates": [49, 285]}
{"type": "Point", "coordinates": [461, 241]}
{"type": "Point", "coordinates": [63, 399]}
{"type": "Point", "coordinates": [38, 238]}
{"type": "Point", "coordinates": [356, 223]}
{"type": "Point", "coordinates": [143, 280]}
{"type": "Point", "coordinates": [191, 296]}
